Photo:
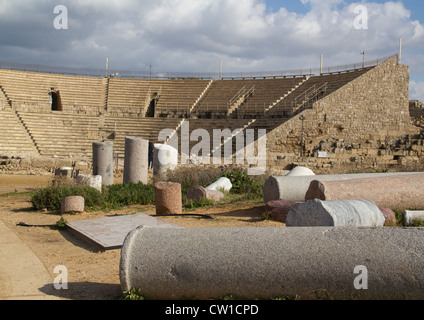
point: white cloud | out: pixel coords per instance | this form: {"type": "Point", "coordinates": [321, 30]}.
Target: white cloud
{"type": "Point", "coordinates": [416, 90]}
{"type": "Point", "coordinates": [192, 35]}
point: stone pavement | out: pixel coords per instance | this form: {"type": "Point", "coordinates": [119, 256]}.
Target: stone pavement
{"type": "Point", "coordinates": [109, 233]}
{"type": "Point", "coordinates": [22, 274]}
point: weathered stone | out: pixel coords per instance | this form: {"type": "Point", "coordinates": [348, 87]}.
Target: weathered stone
{"type": "Point", "coordinates": [90, 181]}
{"type": "Point", "coordinates": [109, 233]}
{"type": "Point", "coordinates": [222, 183]}
{"type": "Point", "coordinates": [165, 158]}
{"type": "Point", "coordinates": [353, 213]}
{"type": "Point", "coordinates": [395, 192]}
{"type": "Point", "coordinates": [300, 171]}
{"type": "Point", "coordinates": [295, 188]}
{"type": "Point", "coordinates": [65, 172]}
{"type": "Point", "coordinates": [279, 209]}
{"type": "Point", "coordinates": [103, 162]}
{"type": "Point", "coordinates": [136, 160]}
{"type": "Point", "coordinates": [168, 198]}
{"type": "Point", "coordinates": [197, 193]}
{"type": "Point", "coordinates": [389, 216]}
{"type": "Point", "coordinates": [72, 204]}
{"type": "Point", "coordinates": [409, 217]}
{"type": "Point", "coordinates": [255, 263]}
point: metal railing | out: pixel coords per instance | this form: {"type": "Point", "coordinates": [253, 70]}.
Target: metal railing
{"type": "Point", "coordinates": [310, 94]}
{"type": "Point", "coordinates": [89, 72]}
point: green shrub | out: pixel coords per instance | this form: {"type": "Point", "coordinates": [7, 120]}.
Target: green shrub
{"type": "Point", "coordinates": [113, 197]}
{"type": "Point", "coordinates": [249, 186]}
{"type": "Point", "coordinates": [243, 183]}
{"type": "Point", "coordinates": [49, 198]}
{"type": "Point", "coordinates": [129, 194]}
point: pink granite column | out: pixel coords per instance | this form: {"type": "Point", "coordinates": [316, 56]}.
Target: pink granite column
{"type": "Point", "coordinates": [168, 198]}
{"type": "Point", "coordinates": [395, 192]}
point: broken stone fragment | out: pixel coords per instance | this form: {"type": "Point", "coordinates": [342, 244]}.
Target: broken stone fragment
{"type": "Point", "coordinates": [197, 193]}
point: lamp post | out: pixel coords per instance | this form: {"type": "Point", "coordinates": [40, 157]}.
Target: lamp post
{"type": "Point", "coordinates": [363, 59]}
{"type": "Point", "coordinates": [302, 118]}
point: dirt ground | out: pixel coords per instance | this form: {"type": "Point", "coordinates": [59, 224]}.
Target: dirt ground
{"type": "Point", "coordinates": [94, 274]}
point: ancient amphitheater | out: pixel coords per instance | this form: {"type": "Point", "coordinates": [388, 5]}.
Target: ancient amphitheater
{"type": "Point", "coordinates": [350, 120]}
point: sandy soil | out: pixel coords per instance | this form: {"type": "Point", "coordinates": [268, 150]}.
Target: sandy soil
{"type": "Point", "coordinates": [94, 274]}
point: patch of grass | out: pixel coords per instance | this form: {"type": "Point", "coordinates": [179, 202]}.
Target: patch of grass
{"type": "Point", "coordinates": [266, 215]}
{"type": "Point", "coordinates": [194, 205]}
{"type": "Point", "coordinates": [112, 197]}
{"type": "Point", "coordinates": [117, 196]}
{"type": "Point", "coordinates": [133, 294]}
{"type": "Point", "coordinates": [17, 194]}
{"type": "Point", "coordinates": [418, 223]}
{"type": "Point", "coordinates": [399, 217]}
{"type": "Point", "coordinates": [61, 224]}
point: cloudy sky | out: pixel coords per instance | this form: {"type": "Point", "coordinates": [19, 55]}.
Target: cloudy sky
{"type": "Point", "coordinates": [195, 35]}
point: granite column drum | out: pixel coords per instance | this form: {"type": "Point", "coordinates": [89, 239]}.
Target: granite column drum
{"type": "Point", "coordinates": [342, 213]}
{"type": "Point", "coordinates": [294, 188]}
{"type": "Point", "coordinates": [72, 204]}
{"type": "Point", "coordinates": [136, 160]}
{"type": "Point", "coordinates": [398, 192]}
{"type": "Point", "coordinates": [265, 263]}
{"type": "Point", "coordinates": [103, 162]}
{"type": "Point", "coordinates": [168, 198]}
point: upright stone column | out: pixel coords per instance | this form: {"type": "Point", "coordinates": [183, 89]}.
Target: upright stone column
{"type": "Point", "coordinates": [165, 158]}
{"type": "Point", "coordinates": [136, 160]}
{"type": "Point", "coordinates": [103, 162]}
{"type": "Point", "coordinates": [168, 198]}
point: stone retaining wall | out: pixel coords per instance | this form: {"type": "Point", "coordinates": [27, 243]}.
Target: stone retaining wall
{"type": "Point", "coordinates": [365, 124]}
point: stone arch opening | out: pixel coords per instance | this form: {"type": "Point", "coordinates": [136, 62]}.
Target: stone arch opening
{"type": "Point", "coordinates": [55, 101]}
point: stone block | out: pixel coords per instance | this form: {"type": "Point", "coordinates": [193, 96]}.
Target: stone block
{"type": "Point", "coordinates": [72, 204]}
{"type": "Point", "coordinates": [353, 213]}
{"type": "Point", "coordinates": [396, 192]}
{"type": "Point", "coordinates": [410, 216]}
{"type": "Point", "coordinates": [65, 172]}
{"type": "Point", "coordinates": [168, 198]}
{"type": "Point", "coordinates": [259, 263]}
{"type": "Point", "coordinates": [389, 216]}
{"type": "Point", "coordinates": [279, 209]}
{"type": "Point", "coordinates": [90, 181]}
{"type": "Point", "coordinates": [222, 183]}
{"type": "Point", "coordinates": [300, 171]}
{"type": "Point", "coordinates": [197, 193]}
